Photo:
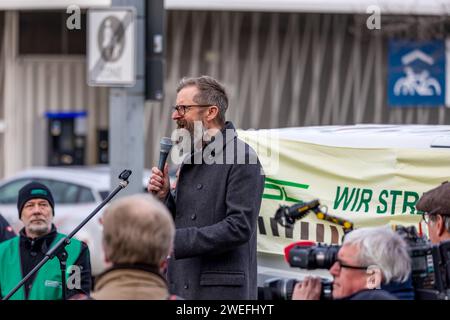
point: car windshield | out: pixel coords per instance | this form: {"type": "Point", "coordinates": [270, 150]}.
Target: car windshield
{"type": "Point", "coordinates": [104, 194]}
{"type": "Point", "coordinates": [63, 192]}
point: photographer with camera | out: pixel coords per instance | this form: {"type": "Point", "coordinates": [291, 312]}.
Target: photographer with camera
{"type": "Point", "coordinates": [435, 205]}
{"type": "Point", "coordinates": [368, 258]}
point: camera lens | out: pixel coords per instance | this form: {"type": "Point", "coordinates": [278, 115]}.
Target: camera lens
{"type": "Point", "coordinates": [313, 257]}
{"type": "Point", "coordinates": [282, 289]}
{"type": "Point", "coordinates": [279, 289]}
{"type": "Point", "coordinates": [325, 256]}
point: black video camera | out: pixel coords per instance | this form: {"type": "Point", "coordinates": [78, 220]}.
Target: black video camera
{"type": "Point", "coordinates": [282, 289]}
{"type": "Point", "coordinates": [321, 256]}
{"type": "Point", "coordinates": [304, 256]}
{"type": "Point", "coordinates": [430, 265]}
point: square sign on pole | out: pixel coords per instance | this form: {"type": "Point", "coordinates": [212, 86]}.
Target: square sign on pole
{"type": "Point", "coordinates": [416, 73]}
{"type": "Point", "coordinates": [111, 45]}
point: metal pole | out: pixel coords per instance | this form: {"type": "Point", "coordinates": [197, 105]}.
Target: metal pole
{"type": "Point", "coordinates": [126, 112]}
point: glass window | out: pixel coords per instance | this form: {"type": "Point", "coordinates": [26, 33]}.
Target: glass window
{"type": "Point", "coordinates": [10, 191]}
{"type": "Point", "coordinates": [86, 195]}
{"type": "Point", "coordinates": [104, 194]}
{"type": "Point", "coordinates": [45, 32]}
{"type": "Point", "coordinates": [68, 193]}
{"type": "Point", "coordinates": [63, 192]}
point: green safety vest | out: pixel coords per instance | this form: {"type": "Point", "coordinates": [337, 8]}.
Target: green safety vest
{"type": "Point", "coordinates": [47, 283]}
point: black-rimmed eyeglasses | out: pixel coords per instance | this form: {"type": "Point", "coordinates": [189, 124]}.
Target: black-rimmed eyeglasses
{"type": "Point", "coordinates": [182, 109]}
{"type": "Point", "coordinates": [344, 265]}
{"type": "Point", "coordinates": [426, 215]}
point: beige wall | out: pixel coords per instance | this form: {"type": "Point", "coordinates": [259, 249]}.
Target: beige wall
{"type": "Point", "coordinates": [280, 69]}
{"type": "Point", "coordinates": [36, 84]}
{"type": "Point", "coordinates": [291, 69]}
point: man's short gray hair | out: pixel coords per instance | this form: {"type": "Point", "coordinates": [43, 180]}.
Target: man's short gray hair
{"type": "Point", "coordinates": [210, 91]}
{"type": "Point", "coordinates": [445, 219]}
{"type": "Point", "coordinates": [382, 247]}
{"type": "Point", "coordinates": [447, 223]}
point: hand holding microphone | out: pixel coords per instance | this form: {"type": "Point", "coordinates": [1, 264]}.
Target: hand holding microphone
{"type": "Point", "coordinates": [159, 183]}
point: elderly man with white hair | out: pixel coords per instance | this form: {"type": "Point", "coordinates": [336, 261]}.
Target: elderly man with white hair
{"type": "Point", "coordinates": [368, 258]}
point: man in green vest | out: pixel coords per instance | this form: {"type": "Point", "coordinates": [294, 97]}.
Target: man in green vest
{"type": "Point", "coordinates": [19, 255]}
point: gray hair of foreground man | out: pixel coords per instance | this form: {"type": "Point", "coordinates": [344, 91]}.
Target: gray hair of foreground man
{"type": "Point", "coordinates": [137, 229]}
{"type": "Point", "coordinates": [210, 92]}
{"type": "Point", "coordinates": [382, 247]}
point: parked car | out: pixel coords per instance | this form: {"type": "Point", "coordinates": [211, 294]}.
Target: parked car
{"type": "Point", "coordinates": [77, 191]}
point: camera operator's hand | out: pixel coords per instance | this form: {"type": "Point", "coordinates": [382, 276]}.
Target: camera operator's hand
{"type": "Point", "coordinates": [309, 289]}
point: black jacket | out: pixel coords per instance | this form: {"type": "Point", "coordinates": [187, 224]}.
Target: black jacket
{"type": "Point", "coordinates": [32, 251]}
{"type": "Point", "coordinates": [6, 231]}
{"type": "Point", "coordinates": [215, 211]}
{"type": "Point", "coordinates": [371, 295]}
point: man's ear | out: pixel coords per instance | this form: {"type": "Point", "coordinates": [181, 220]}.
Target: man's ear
{"type": "Point", "coordinates": [440, 225]}
{"type": "Point", "coordinates": [374, 277]}
{"type": "Point", "coordinates": [163, 266]}
{"type": "Point", "coordinates": [213, 112]}
{"type": "Point", "coordinates": [105, 254]}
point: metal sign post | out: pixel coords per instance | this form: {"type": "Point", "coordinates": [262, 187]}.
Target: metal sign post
{"type": "Point", "coordinates": [116, 59]}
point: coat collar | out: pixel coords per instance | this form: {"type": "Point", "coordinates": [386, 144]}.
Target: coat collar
{"type": "Point", "coordinates": [133, 281]}
{"type": "Point", "coordinates": [228, 132]}
{"type": "Point", "coordinates": [41, 243]}
{"type": "Point", "coordinates": [132, 266]}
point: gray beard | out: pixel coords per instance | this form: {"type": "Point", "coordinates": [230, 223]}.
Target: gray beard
{"type": "Point", "coordinates": [196, 138]}
{"type": "Point", "coordinates": [38, 230]}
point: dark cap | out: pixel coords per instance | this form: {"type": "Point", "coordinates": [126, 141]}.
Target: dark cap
{"type": "Point", "coordinates": [436, 200]}
{"type": "Point", "coordinates": [34, 190]}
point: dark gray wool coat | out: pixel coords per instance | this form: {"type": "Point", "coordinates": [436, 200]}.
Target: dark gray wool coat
{"type": "Point", "coordinates": [215, 212]}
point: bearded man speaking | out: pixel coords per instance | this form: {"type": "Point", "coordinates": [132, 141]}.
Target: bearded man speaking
{"type": "Point", "coordinates": [216, 202]}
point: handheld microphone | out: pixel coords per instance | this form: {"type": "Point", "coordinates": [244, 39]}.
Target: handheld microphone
{"type": "Point", "coordinates": [164, 146]}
